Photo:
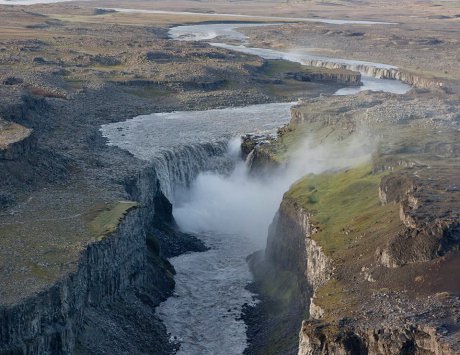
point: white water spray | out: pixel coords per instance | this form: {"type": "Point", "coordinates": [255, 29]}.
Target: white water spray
{"type": "Point", "coordinates": [244, 204]}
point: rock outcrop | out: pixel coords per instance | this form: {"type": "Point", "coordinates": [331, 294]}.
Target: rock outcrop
{"type": "Point", "coordinates": [427, 210]}
{"type": "Point", "coordinates": [381, 73]}
{"type": "Point", "coordinates": [351, 78]}
{"type": "Point", "coordinates": [358, 288]}
{"type": "Point", "coordinates": [382, 340]}
{"type": "Point", "coordinates": [113, 267]}
{"type": "Point", "coordinates": [119, 278]}
{"type": "Point", "coordinates": [15, 141]}
{"type": "Point", "coordinates": [23, 162]}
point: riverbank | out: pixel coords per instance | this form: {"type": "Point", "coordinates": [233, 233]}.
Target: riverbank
{"type": "Point", "coordinates": [65, 231]}
{"type": "Point", "coordinates": [61, 216]}
{"type": "Point", "coordinates": [347, 249]}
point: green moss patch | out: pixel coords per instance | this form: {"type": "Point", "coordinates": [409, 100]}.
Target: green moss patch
{"type": "Point", "coordinates": [334, 296]}
{"type": "Point", "coordinates": [105, 220]}
{"type": "Point", "coordinates": [345, 205]}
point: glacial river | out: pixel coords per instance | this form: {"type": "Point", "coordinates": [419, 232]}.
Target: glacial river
{"type": "Point", "coordinates": [204, 312]}
{"type": "Point", "coordinates": [229, 32]}
{"type": "Point", "coordinates": [230, 213]}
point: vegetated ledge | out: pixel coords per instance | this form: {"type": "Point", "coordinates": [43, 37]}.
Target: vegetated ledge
{"type": "Point", "coordinates": [115, 264]}
{"type": "Point", "coordinates": [332, 230]}
{"type": "Point", "coordinates": [117, 281]}
{"type": "Point", "coordinates": [32, 326]}
{"type": "Point", "coordinates": [14, 140]}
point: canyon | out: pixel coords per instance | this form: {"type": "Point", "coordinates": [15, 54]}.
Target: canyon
{"type": "Point", "coordinates": [120, 156]}
{"type": "Point", "coordinates": [339, 258]}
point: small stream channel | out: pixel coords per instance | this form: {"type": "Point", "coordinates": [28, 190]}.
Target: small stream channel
{"type": "Point", "coordinates": [204, 312]}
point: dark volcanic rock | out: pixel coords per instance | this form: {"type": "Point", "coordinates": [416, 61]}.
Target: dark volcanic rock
{"type": "Point", "coordinates": [12, 80]}
{"type": "Point", "coordinates": [6, 199]}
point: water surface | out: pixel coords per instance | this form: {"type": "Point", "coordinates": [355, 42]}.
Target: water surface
{"type": "Point", "coordinates": [203, 315]}
{"type": "Point", "coordinates": [204, 312]}
{"type": "Point", "coordinates": [206, 32]}
{"type": "Point", "coordinates": [147, 136]}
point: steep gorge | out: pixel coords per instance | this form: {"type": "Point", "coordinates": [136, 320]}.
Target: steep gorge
{"type": "Point", "coordinates": [326, 233]}
{"type": "Point", "coordinates": [119, 278]}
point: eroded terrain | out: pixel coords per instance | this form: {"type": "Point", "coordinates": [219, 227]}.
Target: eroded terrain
{"type": "Point", "coordinates": [390, 260]}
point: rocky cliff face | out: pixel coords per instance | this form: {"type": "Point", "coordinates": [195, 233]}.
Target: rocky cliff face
{"type": "Point", "coordinates": [351, 78]}
{"type": "Point", "coordinates": [119, 279]}
{"type": "Point", "coordinates": [15, 141]}
{"type": "Point", "coordinates": [108, 269]}
{"type": "Point", "coordinates": [51, 321]}
{"type": "Point", "coordinates": [366, 293]}
{"type": "Point", "coordinates": [290, 247]}
{"type": "Point", "coordinates": [381, 340]}
{"type": "Point", "coordinates": [426, 208]}
{"type": "Point", "coordinates": [381, 73]}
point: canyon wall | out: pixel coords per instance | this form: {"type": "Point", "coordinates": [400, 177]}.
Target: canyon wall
{"type": "Point", "coordinates": [51, 321]}
{"type": "Point", "coordinates": [108, 302]}
{"type": "Point", "coordinates": [290, 247]}
{"type": "Point", "coordinates": [381, 322]}
{"type": "Point", "coordinates": [381, 73]}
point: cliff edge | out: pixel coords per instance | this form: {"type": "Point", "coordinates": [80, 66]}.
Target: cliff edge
{"type": "Point", "coordinates": [374, 241]}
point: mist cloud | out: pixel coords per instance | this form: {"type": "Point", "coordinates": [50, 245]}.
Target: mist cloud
{"type": "Point", "coordinates": [243, 204]}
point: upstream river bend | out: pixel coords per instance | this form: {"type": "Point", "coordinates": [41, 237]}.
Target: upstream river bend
{"type": "Point", "coordinates": [223, 210]}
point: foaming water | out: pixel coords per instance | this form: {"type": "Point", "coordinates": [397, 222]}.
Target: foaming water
{"type": "Point", "coordinates": [204, 312]}
{"type": "Point", "coordinates": [235, 204]}
{"type": "Point", "coordinates": [230, 210]}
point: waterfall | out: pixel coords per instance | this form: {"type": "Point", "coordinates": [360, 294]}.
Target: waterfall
{"type": "Point", "coordinates": [177, 167]}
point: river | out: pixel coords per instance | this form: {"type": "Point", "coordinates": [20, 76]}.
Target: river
{"type": "Point", "coordinates": [229, 32]}
{"type": "Point", "coordinates": [229, 211]}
